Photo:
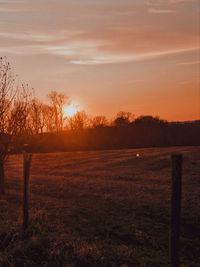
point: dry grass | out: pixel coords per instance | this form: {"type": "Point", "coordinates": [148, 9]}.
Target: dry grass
{"type": "Point", "coordinates": [108, 208]}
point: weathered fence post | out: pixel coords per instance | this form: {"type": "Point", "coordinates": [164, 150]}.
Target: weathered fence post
{"type": "Point", "coordinates": [27, 165]}
{"type": "Point", "coordinates": [175, 209]}
{"type": "Point", "coordinates": [2, 178]}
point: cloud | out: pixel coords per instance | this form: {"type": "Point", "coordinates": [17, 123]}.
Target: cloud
{"type": "Point", "coordinates": [89, 53]}
{"type": "Point", "coordinates": [49, 37]}
{"type": "Point", "coordinates": [166, 2]}
{"type": "Point", "coordinates": [160, 11]}
{"type": "Point", "coordinates": [98, 36]}
{"type": "Point", "coordinates": [186, 82]}
{"type": "Point", "coordinates": [26, 36]}
{"type": "Point", "coordinates": [14, 50]}
{"type": "Point", "coordinates": [11, 1]}
{"type": "Point", "coordinates": [12, 9]}
{"type": "Point", "coordinates": [189, 63]}
{"type": "Point", "coordinates": [168, 6]}
{"type": "Point", "coordinates": [113, 59]}
{"type": "Point", "coordinates": [181, 1]}
{"type": "Point", "coordinates": [74, 47]}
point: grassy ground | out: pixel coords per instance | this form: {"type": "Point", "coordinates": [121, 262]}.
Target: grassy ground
{"type": "Point", "coordinates": [99, 208]}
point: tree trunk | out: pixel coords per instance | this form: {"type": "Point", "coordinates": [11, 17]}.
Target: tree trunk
{"type": "Point", "coordinates": [2, 178]}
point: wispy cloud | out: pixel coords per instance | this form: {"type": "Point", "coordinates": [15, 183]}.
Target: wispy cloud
{"type": "Point", "coordinates": [82, 51]}
{"type": "Point", "coordinates": [186, 82]}
{"type": "Point", "coordinates": [12, 9]}
{"type": "Point", "coordinates": [181, 1]}
{"type": "Point", "coordinates": [37, 36]}
{"type": "Point", "coordinates": [28, 36]}
{"type": "Point", "coordinates": [111, 59]}
{"type": "Point", "coordinates": [74, 48]}
{"type": "Point", "coordinates": [189, 63]}
{"type": "Point", "coordinates": [160, 11]}
{"type": "Point", "coordinates": [17, 50]}
{"type": "Point", "coordinates": [11, 1]}
{"type": "Point", "coordinates": [166, 2]}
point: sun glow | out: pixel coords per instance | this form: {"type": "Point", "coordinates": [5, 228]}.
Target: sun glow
{"type": "Point", "coordinates": [70, 111]}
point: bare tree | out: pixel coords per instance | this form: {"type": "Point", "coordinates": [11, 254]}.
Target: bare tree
{"type": "Point", "coordinates": [99, 122]}
{"type": "Point", "coordinates": [37, 114]}
{"type": "Point", "coordinates": [13, 113]}
{"type": "Point", "coordinates": [57, 102]}
{"type": "Point", "coordinates": [48, 114]}
{"type": "Point", "coordinates": [79, 121]}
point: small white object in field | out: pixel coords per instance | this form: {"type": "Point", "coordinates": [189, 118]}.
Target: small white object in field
{"type": "Point", "coordinates": [137, 155]}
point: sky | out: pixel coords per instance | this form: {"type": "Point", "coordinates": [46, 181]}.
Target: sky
{"type": "Point", "coordinates": [141, 56]}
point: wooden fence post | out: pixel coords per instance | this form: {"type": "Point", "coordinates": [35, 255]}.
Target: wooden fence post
{"type": "Point", "coordinates": [2, 178]}
{"type": "Point", "coordinates": [27, 165]}
{"type": "Point", "coordinates": [175, 209]}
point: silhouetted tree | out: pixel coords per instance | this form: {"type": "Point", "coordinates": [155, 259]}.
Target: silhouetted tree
{"type": "Point", "coordinates": [149, 120]}
{"type": "Point", "coordinates": [123, 118]}
{"type": "Point", "coordinates": [99, 122]}
{"type": "Point", "coordinates": [57, 102]}
{"type": "Point", "coordinates": [13, 113]}
{"type": "Point", "coordinates": [79, 121]}
{"type": "Point", "coordinates": [37, 116]}
{"type": "Point", "coordinates": [48, 116]}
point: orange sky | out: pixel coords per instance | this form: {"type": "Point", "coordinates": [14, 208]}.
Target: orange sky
{"type": "Point", "coordinates": [140, 56]}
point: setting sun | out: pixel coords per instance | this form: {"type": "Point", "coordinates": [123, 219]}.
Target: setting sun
{"type": "Point", "coordinates": [70, 111]}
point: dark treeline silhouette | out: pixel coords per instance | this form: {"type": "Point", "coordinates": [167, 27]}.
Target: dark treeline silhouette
{"type": "Point", "coordinates": [145, 131]}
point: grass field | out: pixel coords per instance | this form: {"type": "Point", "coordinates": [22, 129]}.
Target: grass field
{"type": "Point", "coordinates": [99, 208]}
